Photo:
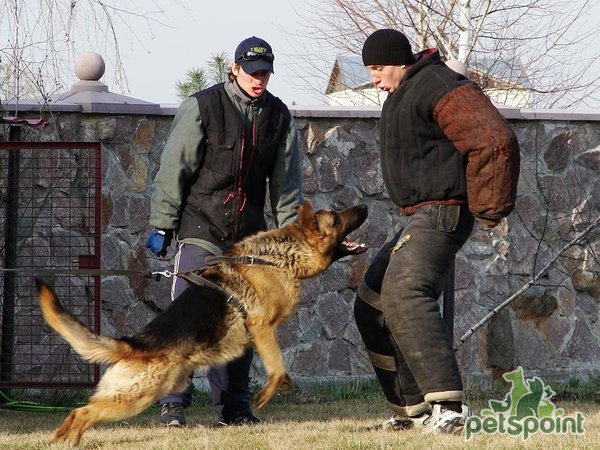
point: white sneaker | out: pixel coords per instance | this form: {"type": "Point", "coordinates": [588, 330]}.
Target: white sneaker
{"type": "Point", "coordinates": [446, 421]}
{"type": "Point", "coordinates": [397, 423]}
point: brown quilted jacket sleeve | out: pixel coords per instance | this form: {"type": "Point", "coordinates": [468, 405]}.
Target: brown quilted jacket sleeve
{"type": "Point", "coordinates": [478, 130]}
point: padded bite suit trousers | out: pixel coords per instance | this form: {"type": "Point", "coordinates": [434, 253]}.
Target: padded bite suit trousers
{"type": "Point", "coordinates": [398, 314]}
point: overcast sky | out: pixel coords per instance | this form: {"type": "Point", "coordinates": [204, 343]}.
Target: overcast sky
{"type": "Point", "coordinates": [207, 28]}
{"type": "Point", "coordinates": [155, 58]}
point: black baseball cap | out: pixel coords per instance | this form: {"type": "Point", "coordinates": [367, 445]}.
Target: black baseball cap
{"type": "Point", "coordinates": [254, 54]}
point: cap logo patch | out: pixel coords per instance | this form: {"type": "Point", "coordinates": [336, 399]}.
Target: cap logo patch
{"type": "Point", "coordinates": [258, 49]}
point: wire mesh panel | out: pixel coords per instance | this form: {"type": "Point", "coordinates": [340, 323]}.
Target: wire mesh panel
{"type": "Point", "coordinates": [50, 201]}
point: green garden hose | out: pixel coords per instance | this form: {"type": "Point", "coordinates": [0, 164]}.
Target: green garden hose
{"type": "Point", "coordinates": [18, 405]}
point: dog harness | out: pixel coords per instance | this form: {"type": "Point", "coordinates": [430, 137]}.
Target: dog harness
{"type": "Point", "coordinates": [248, 260]}
{"type": "Point", "coordinates": [194, 276]}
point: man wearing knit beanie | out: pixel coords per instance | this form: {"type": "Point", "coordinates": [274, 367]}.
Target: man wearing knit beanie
{"type": "Point", "coordinates": [387, 48]}
{"type": "Point", "coordinates": [448, 158]}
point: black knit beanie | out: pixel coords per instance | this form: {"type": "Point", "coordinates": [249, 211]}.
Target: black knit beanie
{"type": "Point", "coordinates": [387, 47]}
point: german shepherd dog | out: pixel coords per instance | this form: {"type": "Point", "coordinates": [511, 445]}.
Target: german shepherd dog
{"type": "Point", "coordinates": [210, 323]}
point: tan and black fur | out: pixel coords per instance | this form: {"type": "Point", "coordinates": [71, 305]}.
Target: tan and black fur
{"type": "Point", "coordinates": [201, 328]}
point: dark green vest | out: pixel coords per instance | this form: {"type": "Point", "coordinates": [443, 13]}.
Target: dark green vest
{"type": "Point", "coordinates": [226, 197]}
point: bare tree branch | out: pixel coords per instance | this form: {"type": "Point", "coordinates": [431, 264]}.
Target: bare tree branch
{"type": "Point", "coordinates": [575, 241]}
{"type": "Point", "coordinates": [540, 47]}
{"type": "Point", "coordinates": [41, 38]}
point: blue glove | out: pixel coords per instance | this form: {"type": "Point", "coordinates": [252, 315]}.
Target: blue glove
{"type": "Point", "coordinates": [159, 241]}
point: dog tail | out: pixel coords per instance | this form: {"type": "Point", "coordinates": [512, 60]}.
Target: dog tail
{"type": "Point", "coordinates": [89, 345]}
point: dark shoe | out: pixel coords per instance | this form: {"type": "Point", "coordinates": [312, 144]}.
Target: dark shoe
{"type": "Point", "coordinates": [249, 419]}
{"type": "Point", "coordinates": [171, 415]}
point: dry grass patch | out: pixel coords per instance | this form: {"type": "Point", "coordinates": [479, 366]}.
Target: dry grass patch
{"type": "Point", "coordinates": [338, 424]}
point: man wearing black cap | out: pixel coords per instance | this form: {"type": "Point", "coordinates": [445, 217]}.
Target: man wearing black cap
{"type": "Point", "coordinates": [227, 144]}
{"type": "Point", "coordinates": [448, 157]}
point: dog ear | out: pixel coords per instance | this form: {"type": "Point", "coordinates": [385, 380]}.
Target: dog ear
{"type": "Point", "coordinates": [299, 208]}
{"type": "Point", "coordinates": [306, 216]}
{"type": "Point", "coordinates": [307, 206]}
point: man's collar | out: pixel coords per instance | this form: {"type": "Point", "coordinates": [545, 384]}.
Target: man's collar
{"type": "Point", "coordinates": [242, 97]}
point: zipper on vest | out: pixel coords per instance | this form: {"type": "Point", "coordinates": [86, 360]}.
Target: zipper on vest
{"type": "Point", "coordinates": [239, 195]}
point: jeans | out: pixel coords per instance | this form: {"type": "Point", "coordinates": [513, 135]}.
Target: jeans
{"type": "Point", "coordinates": [229, 383]}
{"type": "Point", "coordinates": [398, 315]}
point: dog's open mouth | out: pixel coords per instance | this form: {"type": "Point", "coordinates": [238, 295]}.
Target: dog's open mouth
{"type": "Point", "coordinates": [351, 247]}
{"type": "Point", "coordinates": [348, 247]}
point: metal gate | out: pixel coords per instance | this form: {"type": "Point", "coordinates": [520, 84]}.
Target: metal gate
{"type": "Point", "coordinates": [50, 217]}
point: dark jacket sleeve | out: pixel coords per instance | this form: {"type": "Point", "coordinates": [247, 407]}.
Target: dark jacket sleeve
{"type": "Point", "coordinates": [478, 130]}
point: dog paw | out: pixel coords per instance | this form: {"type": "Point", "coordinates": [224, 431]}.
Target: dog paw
{"type": "Point", "coordinates": [263, 397]}
{"type": "Point", "coordinates": [274, 382]}
{"type": "Point", "coordinates": [286, 384]}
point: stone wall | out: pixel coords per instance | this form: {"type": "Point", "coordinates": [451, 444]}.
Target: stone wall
{"type": "Point", "coordinates": [551, 329]}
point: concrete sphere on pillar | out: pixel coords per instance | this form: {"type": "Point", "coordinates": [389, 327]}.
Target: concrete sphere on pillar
{"type": "Point", "coordinates": [89, 66]}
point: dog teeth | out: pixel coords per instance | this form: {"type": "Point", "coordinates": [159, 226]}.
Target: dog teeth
{"type": "Point", "coordinates": [351, 245]}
